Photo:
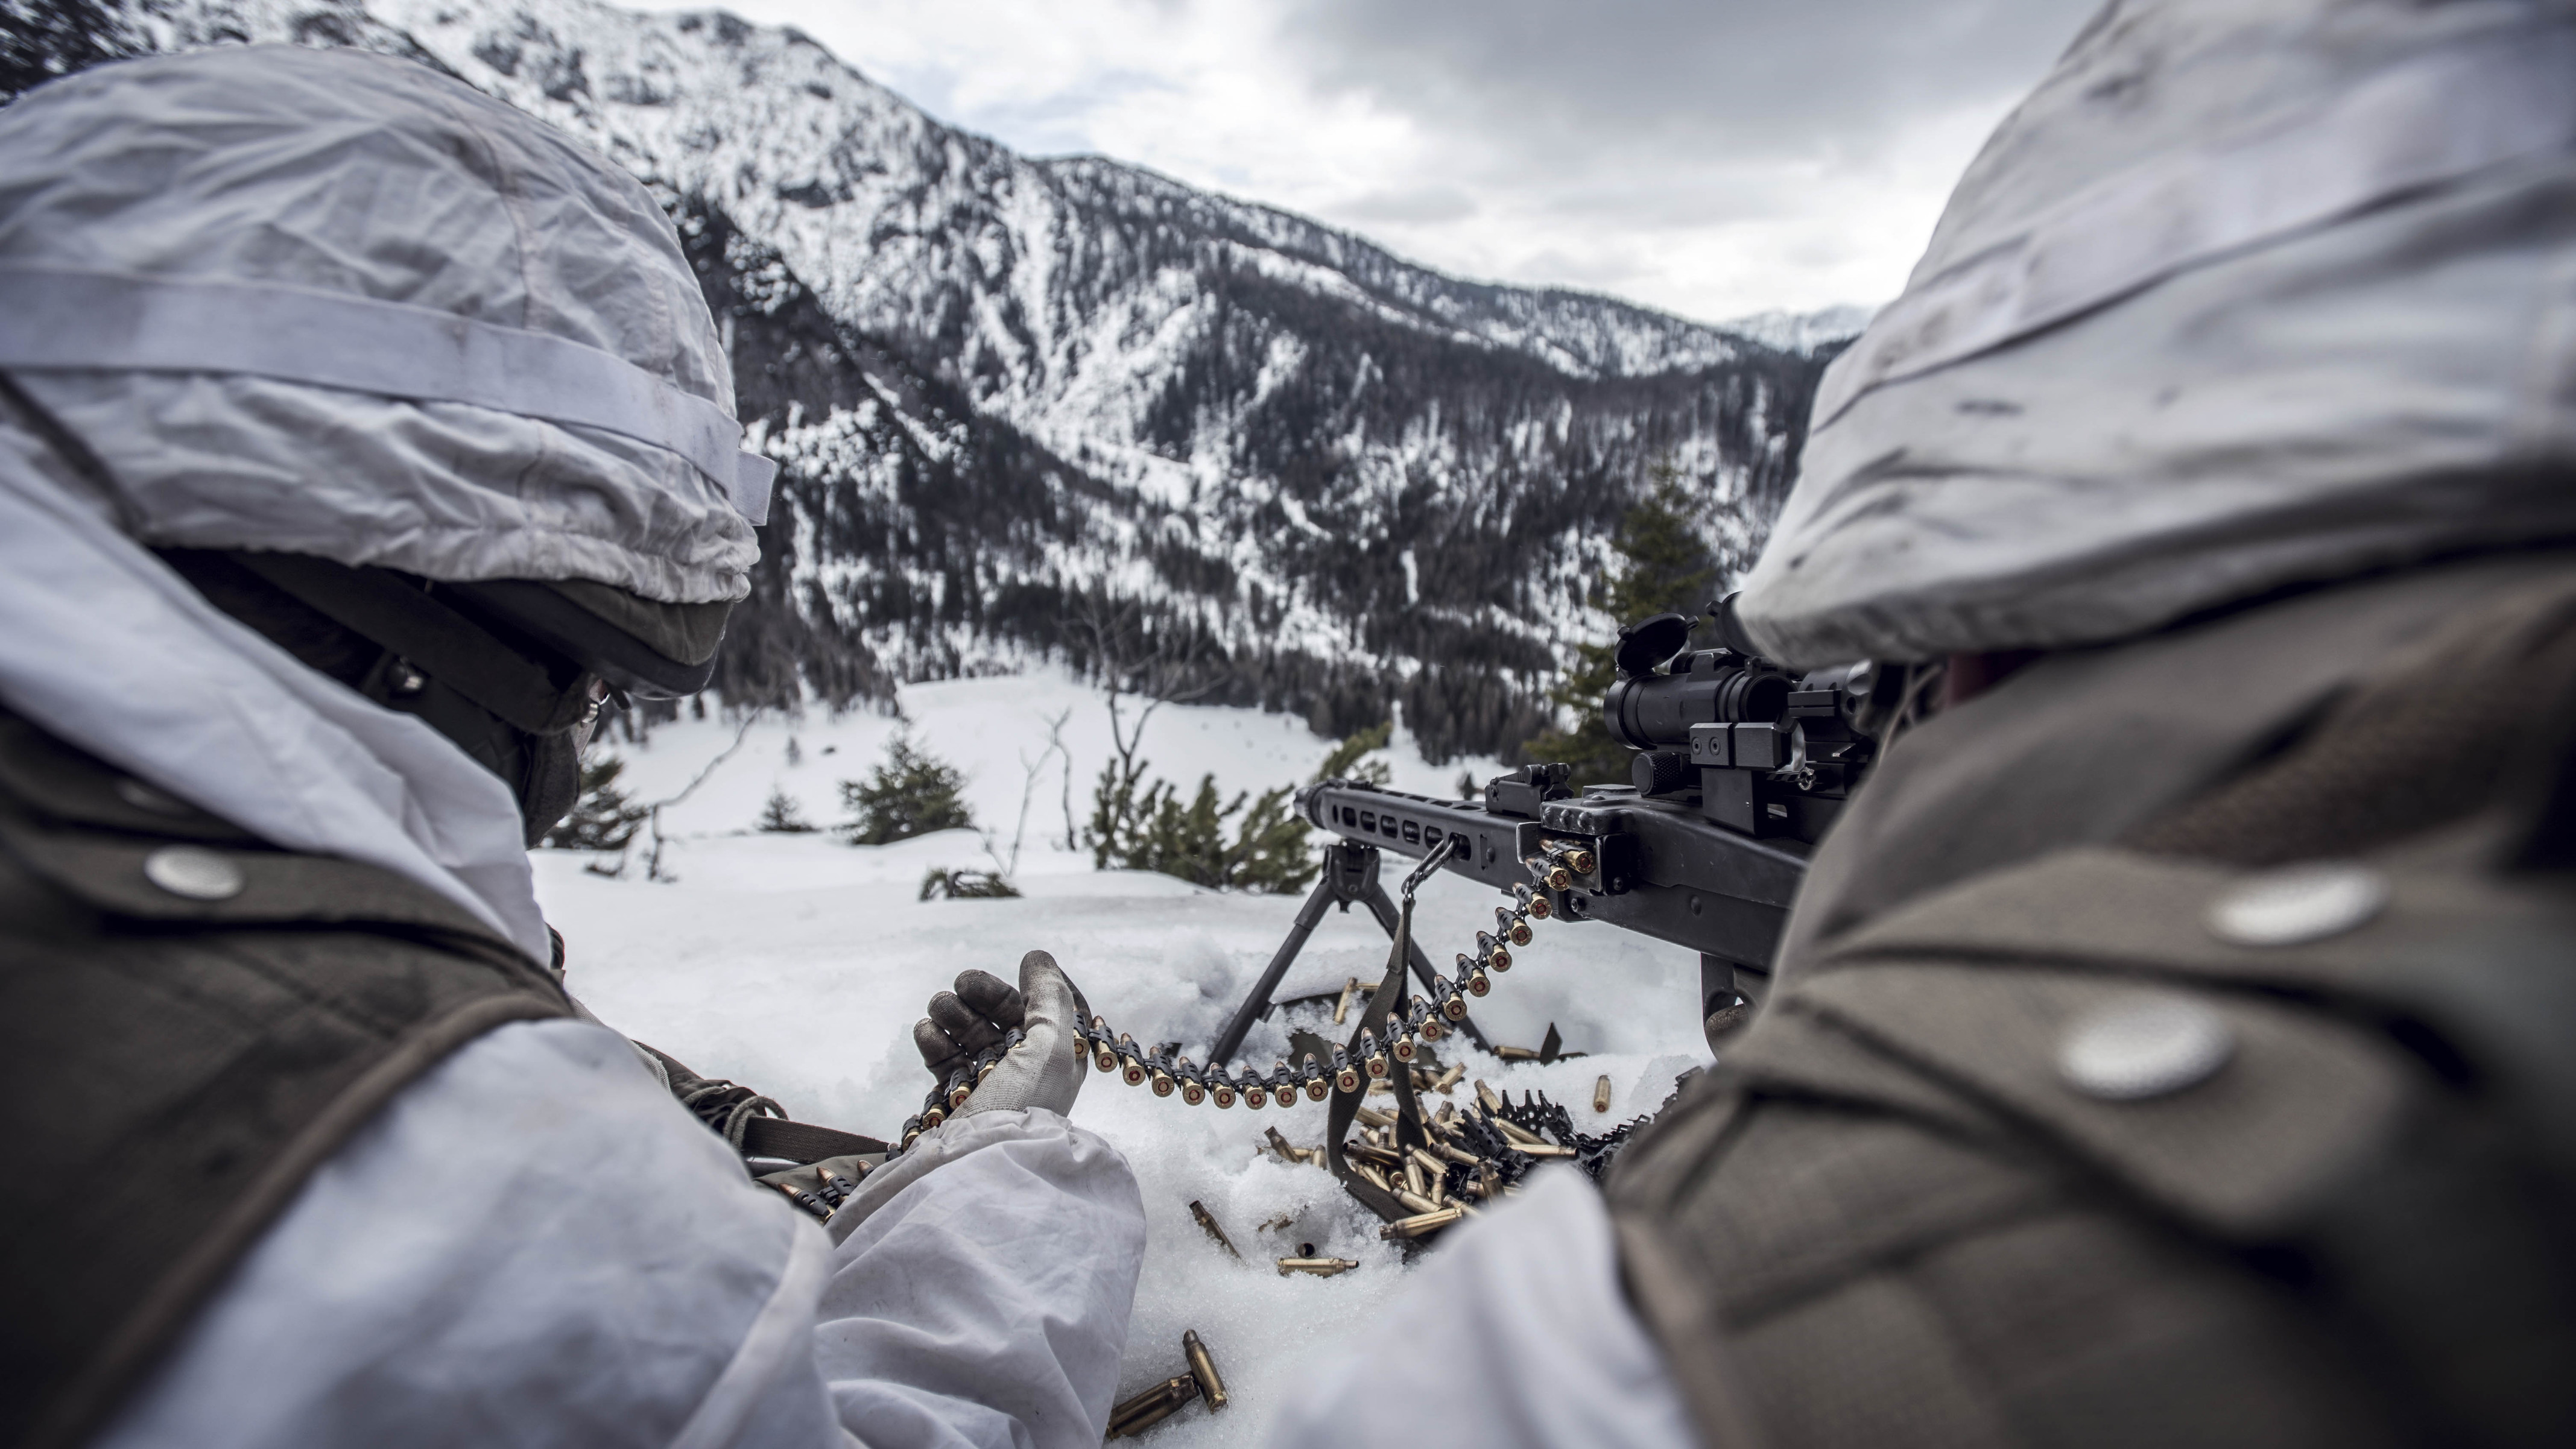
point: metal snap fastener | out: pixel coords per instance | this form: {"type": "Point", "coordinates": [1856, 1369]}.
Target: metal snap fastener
{"type": "Point", "coordinates": [194, 872]}
{"type": "Point", "coordinates": [2139, 1049]}
{"type": "Point", "coordinates": [143, 797]}
{"type": "Point", "coordinates": [2298, 904]}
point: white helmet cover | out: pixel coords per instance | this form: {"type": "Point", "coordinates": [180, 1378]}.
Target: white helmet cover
{"type": "Point", "coordinates": [333, 303]}
{"type": "Point", "coordinates": [2248, 294]}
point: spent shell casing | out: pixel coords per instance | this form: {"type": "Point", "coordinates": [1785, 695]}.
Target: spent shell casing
{"type": "Point", "coordinates": [1415, 1182]}
{"type": "Point", "coordinates": [1203, 1368]}
{"type": "Point", "coordinates": [1207, 1220]}
{"type": "Point", "coordinates": [1517, 1054]}
{"type": "Point", "coordinates": [1342, 1008]}
{"type": "Point", "coordinates": [1449, 1078]}
{"type": "Point", "coordinates": [1320, 1267]}
{"type": "Point", "coordinates": [1370, 1172]}
{"type": "Point", "coordinates": [1368, 1116]}
{"type": "Point", "coordinates": [1601, 1095]}
{"type": "Point", "coordinates": [1151, 1407]}
{"type": "Point", "coordinates": [1421, 1224]}
{"type": "Point", "coordinates": [1419, 1202]}
{"type": "Point", "coordinates": [1486, 1099]}
{"type": "Point", "coordinates": [1429, 1164]}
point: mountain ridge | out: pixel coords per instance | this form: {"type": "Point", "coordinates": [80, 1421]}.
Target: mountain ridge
{"type": "Point", "coordinates": [1014, 396]}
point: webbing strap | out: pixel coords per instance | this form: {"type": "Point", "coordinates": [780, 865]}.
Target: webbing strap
{"type": "Point", "coordinates": [802, 1141]}
{"type": "Point", "coordinates": [458, 652]}
{"type": "Point", "coordinates": [61, 317]}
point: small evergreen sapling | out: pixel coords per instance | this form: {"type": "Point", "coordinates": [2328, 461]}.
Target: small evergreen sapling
{"type": "Point", "coordinates": [913, 793]}
{"type": "Point", "coordinates": [603, 818]}
{"type": "Point", "coordinates": [781, 815]}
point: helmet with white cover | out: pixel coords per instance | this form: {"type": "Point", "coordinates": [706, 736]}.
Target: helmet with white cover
{"type": "Point", "coordinates": [2249, 295]}
{"type": "Point", "coordinates": [419, 389]}
{"type": "Point", "coordinates": [334, 333]}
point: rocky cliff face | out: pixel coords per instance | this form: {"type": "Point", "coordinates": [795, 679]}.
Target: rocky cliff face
{"type": "Point", "coordinates": [1020, 399]}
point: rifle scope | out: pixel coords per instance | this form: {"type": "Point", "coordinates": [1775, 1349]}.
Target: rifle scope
{"type": "Point", "coordinates": [1647, 710]}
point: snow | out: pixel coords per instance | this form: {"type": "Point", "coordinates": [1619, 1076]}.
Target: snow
{"type": "Point", "coordinates": [797, 964]}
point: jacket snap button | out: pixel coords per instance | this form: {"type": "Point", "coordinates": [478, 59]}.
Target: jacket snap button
{"type": "Point", "coordinates": [2141, 1049]}
{"type": "Point", "coordinates": [2299, 904]}
{"type": "Point", "coordinates": [193, 872]}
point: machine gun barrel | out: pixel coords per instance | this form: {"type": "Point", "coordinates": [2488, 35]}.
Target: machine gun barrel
{"type": "Point", "coordinates": [1657, 867]}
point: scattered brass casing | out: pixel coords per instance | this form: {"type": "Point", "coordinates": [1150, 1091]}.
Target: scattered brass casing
{"type": "Point", "coordinates": [1342, 1008]}
{"type": "Point", "coordinates": [1419, 1202]}
{"type": "Point", "coordinates": [1375, 1177]}
{"type": "Point", "coordinates": [1320, 1267]}
{"type": "Point", "coordinates": [1459, 1155]}
{"type": "Point", "coordinates": [1430, 1165]}
{"type": "Point", "coordinates": [1421, 1224]}
{"type": "Point", "coordinates": [1601, 1095]}
{"type": "Point", "coordinates": [1203, 1368]}
{"type": "Point", "coordinates": [1516, 1054]}
{"type": "Point", "coordinates": [1449, 1078]}
{"type": "Point", "coordinates": [1485, 1098]}
{"type": "Point", "coordinates": [1414, 1182]}
{"type": "Point", "coordinates": [1519, 1134]}
{"type": "Point", "coordinates": [1207, 1220]}
{"type": "Point", "coordinates": [1151, 1407]}
{"type": "Point", "coordinates": [1371, 1117]}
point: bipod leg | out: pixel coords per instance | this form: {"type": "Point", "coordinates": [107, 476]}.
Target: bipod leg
{"type": "Point", "coordinates": [1347, 868]}
{"type": "Point", "coordinates": [1344, 1107]}
{"type": "Point", "coordinates": [1421, 964]}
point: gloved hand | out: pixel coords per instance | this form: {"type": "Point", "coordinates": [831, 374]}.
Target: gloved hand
{"type": "Point", "coordinates": [1042, 1070]}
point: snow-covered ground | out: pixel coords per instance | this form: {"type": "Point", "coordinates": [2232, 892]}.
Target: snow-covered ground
{"type": "Point", "coordinates": [798, 964]}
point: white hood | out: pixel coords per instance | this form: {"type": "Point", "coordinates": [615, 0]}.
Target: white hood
{"type": "Point", "coordinates": [2249, 294]}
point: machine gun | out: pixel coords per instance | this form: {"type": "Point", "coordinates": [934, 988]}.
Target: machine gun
{"type": "Point", "coordinates": [1739, 768]}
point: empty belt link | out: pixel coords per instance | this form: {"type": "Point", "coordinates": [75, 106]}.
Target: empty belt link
{"type": "Point", "coordinates": [1417, 1019]}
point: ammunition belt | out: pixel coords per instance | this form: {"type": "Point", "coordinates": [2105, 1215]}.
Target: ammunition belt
{"type": "Point", "coordinates": [1467, 1155]}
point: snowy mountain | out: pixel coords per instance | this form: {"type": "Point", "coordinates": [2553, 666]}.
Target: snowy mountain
{"type": "Point", "coordinates": [1013, 393]}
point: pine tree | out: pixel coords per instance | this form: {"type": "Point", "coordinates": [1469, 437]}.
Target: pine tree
{"type": "Point", "coordinates": [603, 818]}
{"type": "Point", "coordinates": [913, 793]}
{"type": "Point", "coordinates": [1664, 569]}
{"type": "Point", "coordinates": [781, 815]}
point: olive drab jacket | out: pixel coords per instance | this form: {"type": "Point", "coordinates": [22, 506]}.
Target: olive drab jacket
{"type": "Point", "coordinates": [2171, 1047]}
{"type": "Point", "coordinates": [196, 1020]}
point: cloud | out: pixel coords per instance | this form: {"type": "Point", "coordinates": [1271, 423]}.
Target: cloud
{"type": "Point", "coordinates": [1711, 157]}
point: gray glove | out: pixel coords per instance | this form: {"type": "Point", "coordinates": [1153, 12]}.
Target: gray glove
{"type": "Point", "coordinates": [1042, 1070]}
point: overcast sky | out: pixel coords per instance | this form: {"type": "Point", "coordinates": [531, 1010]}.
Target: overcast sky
{"type": "Point", "coordinates": [1710, 157]}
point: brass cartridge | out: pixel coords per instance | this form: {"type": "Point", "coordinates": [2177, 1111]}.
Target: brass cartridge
{"type": "Point", "coordinates": [1163, 1083]}
{"type": "Point", "coordinates": [1342, 1008]}
{"type": "Point", "coordinates": [1320, 1267]}
{"type": "Point", "coordinates": [1193, 1090]}
{"type": "Point", "coordinates": [932, 1116]}
{"type": "Point", "coordinates": [1151, 1407]}
{"type": "Point", "coordinates": [1432, 1027]}
{"type": "Point", "coordinates": [1511, 927]}
{"type": "Point", "coordinates": [1532, 902]}
{"type": "Point", "coordinates": [1486, 1099]}
{"type": "Point", "coordinates": [1346, 1073]}
{"type": "Point", "coordinates": [1430, 1165]}
{"type": "Point", "coordinates": [1454, 1007]}
{"type": "Point", "coordinates": [1416, 1201]}
{"type": "Point", "coordinates": [1220, 1087]}
{"type": "Point", "coordinates": [959, 1088]}
{"type": "Point", "coordinates": [1318, 1088]}
{"type": "Point", "coordinates": [1404, 1048]}
{"type": "Point", "coordinates": [1421, 1224]}
{"type": "Point", "coordinates": [1371, 1117]}
{"type": "Point", "coordinates": [1449, 1078]}
{"type": "Point", "coordinates": [1207, 1220]}
{"type": "Point", "coordinates": [1414, 1181]}
{"type": "Point", "coordinates": [1517, 1054]}
{"type": "Point", "coordinates": [1131, 1065]}
{"type": "Point", "coordinates": [1551, 874]}
{"type": "Point", "coordinates": [1203, 1368]}
{"type": "Point", "coordinates": [1601, 1095]}
{"type": "Point", "coordinates": [1477, 985]}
